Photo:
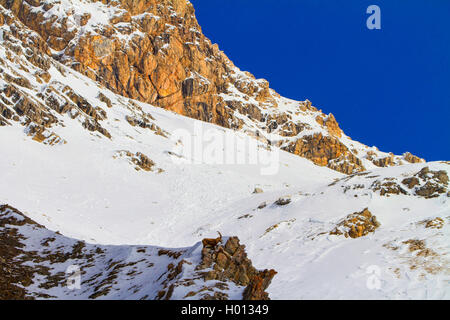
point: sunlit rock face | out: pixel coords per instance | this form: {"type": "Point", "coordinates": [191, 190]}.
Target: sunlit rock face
{"type": "Point", "coordinates": [155, 52]}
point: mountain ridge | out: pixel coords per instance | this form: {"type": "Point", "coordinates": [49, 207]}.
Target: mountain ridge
{"type": "Point", "coordinates": [155, 52]}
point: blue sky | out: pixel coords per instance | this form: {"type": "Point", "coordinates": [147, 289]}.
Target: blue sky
{"type": "Point", "coordinates": [389, 88]}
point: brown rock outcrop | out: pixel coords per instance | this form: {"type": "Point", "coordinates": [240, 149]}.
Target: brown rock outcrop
{"type": "Point", "coordinates": [412, 158]}
{"type": "Point", "coordinates": [330, 124]}
{"type": "Point", "coordinates": [230, 262]}
{"type": "Point", "coordinates": [138, 159]}
{"type": "Point", "coordinates": [436, 223]}
{"type": "Point", "coordinates": [384, 162]}
{"type": "Point", "coordinates": [435, 183]}
{"type": "Point", "coordinates": [327, 151]}
{"type": "Point", "coordinates": [387, 187]}
{"type": "Point", "coordinates": [357, 224]}
{"type": "Point", "coordinates": [428, 183]}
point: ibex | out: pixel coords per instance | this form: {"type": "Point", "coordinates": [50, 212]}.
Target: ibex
{"type": "Point", "coordinates": [212, 242]}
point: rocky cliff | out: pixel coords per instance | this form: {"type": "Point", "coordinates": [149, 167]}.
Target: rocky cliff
{"type": "Point", "coordinates": [155, 52]}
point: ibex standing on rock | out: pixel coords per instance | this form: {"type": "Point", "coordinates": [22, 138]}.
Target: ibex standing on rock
{"type": "Point", "coordinates": [212, 242]}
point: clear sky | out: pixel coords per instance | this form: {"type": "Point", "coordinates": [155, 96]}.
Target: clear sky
{"type": "Point", "coordinates": [389, 88]}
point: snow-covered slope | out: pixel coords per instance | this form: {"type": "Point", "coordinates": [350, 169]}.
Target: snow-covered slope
{"type": "Point", "coordinates": [89, 190]}
{"type": "Point", "coordinates": [114, 172]}
{"type": "Point", "coordinates": [38, 263]}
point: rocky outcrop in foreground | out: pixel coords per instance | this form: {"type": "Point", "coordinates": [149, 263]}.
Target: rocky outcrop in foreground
{"type": "Point", "coordinates": [229, 262]}
{"type": "Point", "coordinates": [36, 263]}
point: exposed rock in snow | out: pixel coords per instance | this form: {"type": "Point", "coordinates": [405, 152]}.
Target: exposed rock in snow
{"type": "Point", "coordinates": [357, 224]}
